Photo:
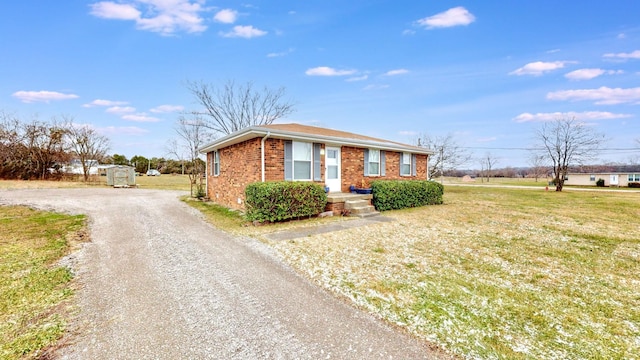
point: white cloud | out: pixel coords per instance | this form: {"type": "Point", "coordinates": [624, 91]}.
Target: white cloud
{"type": "Point", "coordinates": [141, 117]}
{"type": "Point", "coordinates": [601, 96]}
{"type": "Point", "coordinates": [42, 96]}
{"type": "Point", "coordinates": [122, 130]}
{"type": "Point", "coordinates": [584, 74]}
{"type": "Point", "coordinates": [624, 56]}
{"type": "Point", "coordinates": [621, 36]}
{"type": "Point", "coordinates": [539, 67]}
{"type": "Point", "coordinates": [407, 133]}
{"type": "Point", "coordinates": [587, 74]}
{"type": "Point", "coordinates": [328, 71]}
{"type": "Point", "coordinates": [111, 10]}
{"type": "Point", "coordinates": [408, 32]}
{"type": "Point", "coordinates": [246, 32]}
{"type": "Point", "coordinates": [121, 109]}
{"type": "Point", "coordinates": [457, 16]}
{"type": "Point", "coordinates": [358, 78]}
{"type": "Point", "coordinates": [167, 108]}
{"type": "Point", "coordinates": [396, 72]}
{"type": "Point", "coordinates": [100, 102]}
{"type": "Point", "coordinates": [226, 16]}
{"type": "Point", "coordinates": [162, 16]}
{"type": "Point", "coordinates": [284, 53]}
{"type": "Point", "coordinates": [585, 115]}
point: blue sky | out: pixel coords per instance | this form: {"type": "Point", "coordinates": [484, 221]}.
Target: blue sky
{"type": "Point", "coordinates": [488, 72]}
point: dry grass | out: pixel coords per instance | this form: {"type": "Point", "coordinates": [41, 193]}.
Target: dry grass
{"type": "Point", "coordinates": [164, 182]}
{"type": "Point", "coordinates": [496, 273]}
{"type": "Point", "coordinates": [33, 288]}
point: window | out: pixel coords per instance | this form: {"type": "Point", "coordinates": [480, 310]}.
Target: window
{"type": "Point", "coordinates": [634, 177]}
{"type": "Point", "coordinates": [215, 164]}
{"type": "Point", "coordinates": [405, 164]}
{"type": "Point", "coordinates": [301, 161]}
{"type": "Point", "coordinates": [374, 162]}
{"type": "Point", "coordinates": [592, 178]}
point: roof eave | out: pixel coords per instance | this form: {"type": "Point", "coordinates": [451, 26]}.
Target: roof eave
{"type": "Point", "coordinates": [259, 131]}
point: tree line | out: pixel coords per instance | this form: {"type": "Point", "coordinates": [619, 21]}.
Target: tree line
{"type": "Point", "coordinates": [34, 149]}
{"type": "Point", "coordinates": [163, 165]}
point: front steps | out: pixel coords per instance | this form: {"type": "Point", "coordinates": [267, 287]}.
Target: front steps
{"type": "Point", "coordinates": [360, 208]}
{"type": "Point", "coordinates": [348, 204]}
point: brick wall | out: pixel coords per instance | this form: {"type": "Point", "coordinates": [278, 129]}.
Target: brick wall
{"type": "Point", "coordinates": [240, 165]}
{"type": "Point", "coordinates": [353, 167]}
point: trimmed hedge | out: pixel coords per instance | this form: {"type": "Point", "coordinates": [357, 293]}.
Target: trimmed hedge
{"type": "Point", "coordinates": [283, 200]}
{"type": "Point", "coordinates": [634, 184]}
{"type": "Point", "coordinates": [400, 194]}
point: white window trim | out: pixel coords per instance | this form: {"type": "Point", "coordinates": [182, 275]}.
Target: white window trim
{"type": "Point", "coordinates": [371, 151]}
{"type": "Point", "coordinates": [293, 161]}
{"type": "Point", "coordinates": [216, 161]}
{"type": "Point", "coordinates": [409, 156]}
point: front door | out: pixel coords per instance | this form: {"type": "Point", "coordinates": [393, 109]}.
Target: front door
{"type": "Point", "coordinates": [613, 180]}
{"type": "Point", "coordinates": [332, 169]}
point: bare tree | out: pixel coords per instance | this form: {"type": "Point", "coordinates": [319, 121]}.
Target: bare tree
{"type": "Point", "coordinates": [234, 107]}
{"type": "Point", "coordinates": [192, 137]}
{"type": "Point", "coordinates": [539, 165]}
{"type": "Point", "coordinates": [487, 163]}
{"type": "Point", "coordinates": [448, 155]}
{"type": "Point", "coordinates": [29, 150]}
{"type": "Point", "coordinates": [567, 141]}
{"type": "Point", "coordinates": [86, 144]}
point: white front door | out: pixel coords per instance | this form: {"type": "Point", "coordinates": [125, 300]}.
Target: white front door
{"type": "Point", "coordinates": [332, 168]}
{"type": "Point", "coordinates": [613, 180]}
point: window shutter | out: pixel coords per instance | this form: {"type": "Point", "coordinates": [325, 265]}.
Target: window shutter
{"type": "Point", "coordinates": [288, 160]}
{"type": "Point", "coordinates": [413, 165]}
{"type": "Point", "coordinates": [317, 174]}
{"type": "Point", "coordinates": [366, 162]}
{"type": "Point", "coordinates": [211, 163]}
{"type": "Point", "coordinates": [383, 164]}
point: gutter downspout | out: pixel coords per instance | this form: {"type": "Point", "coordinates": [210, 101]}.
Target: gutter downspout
{"type": "Point", "coordinates": [262, 153]}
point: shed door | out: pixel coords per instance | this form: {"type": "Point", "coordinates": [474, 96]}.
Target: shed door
{"type": "Point", "coordinates": [120, 177]}
{"type": "Point", "coordinates": [332, 169]}
{"type": "Point", "coordinates": [613, 180]}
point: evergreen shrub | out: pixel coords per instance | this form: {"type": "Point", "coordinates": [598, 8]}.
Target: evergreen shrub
{"type": "Point", "coordinates": [400, 194]}
{"type": "Point", "coordinates": [283, 200]}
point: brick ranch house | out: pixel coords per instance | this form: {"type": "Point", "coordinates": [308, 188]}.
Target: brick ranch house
{"type": "Point", "coordinates": [295, 152]}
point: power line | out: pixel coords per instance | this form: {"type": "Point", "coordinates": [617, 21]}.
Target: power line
{"type": "Point", "coordinates": [540, 149]}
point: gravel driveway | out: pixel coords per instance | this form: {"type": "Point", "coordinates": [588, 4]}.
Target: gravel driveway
{"type": "Point", "coordinates": [157, 282]}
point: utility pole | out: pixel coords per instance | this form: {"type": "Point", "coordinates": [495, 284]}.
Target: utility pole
{"type": "Point", "coordinates": [442, 165]}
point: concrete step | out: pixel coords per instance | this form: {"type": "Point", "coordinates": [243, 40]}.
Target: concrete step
{"type": "Point", "coordinates": [351, 204]}
{"type": "Point", "coordinates": [365, 214]}
{"type": "Point", "coordinates": [361, 209]}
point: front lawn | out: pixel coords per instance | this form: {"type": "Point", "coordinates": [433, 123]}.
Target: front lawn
{"type": "Point", "coordinates": [496, 273]}
{"type": "Point", "coordinates": [33, 287]}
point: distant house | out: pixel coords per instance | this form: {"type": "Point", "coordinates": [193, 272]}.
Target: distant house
{"type": "Point", "coordinates": [75, 167]}
{"type": "Point", "coordinates": [294, 152]}
{"type": "Point", "coordinates": [612, 175]}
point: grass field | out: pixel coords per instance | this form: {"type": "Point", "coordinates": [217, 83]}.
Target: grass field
{"type": "Point", "coordinates": [164, 182]}
{"type": "Point", "coordinates": [496, 273]}
{"type": "Point", "coordinates": [33, 289]}
{"type": "Point", "coordinates": [493, 273]}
